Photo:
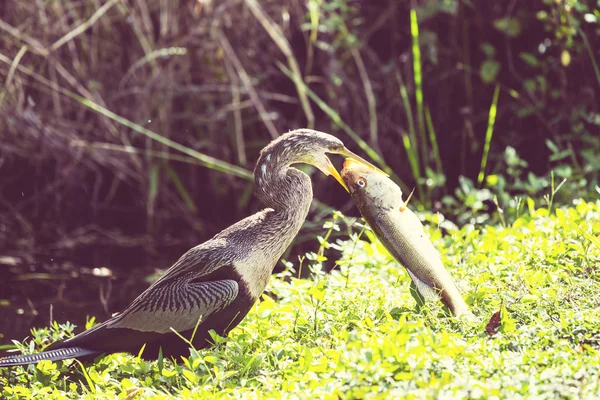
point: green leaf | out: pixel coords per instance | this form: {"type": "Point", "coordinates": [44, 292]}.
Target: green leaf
{"type": "Point", "coordinates": [489, 70]}
{"type": "Point", "coordinates": [168, 373]}
{"type": "Point", "coordinates": [318, 291]}
{"type": "Point", "coordinates": [508, 323]}
{"type": "Point", "coordinates": [211, 359]}
{"type": "Point", "coordinates": [565, 58]}
{"type": "Point", "coordinates": [529, 59]}
{"type": "Point", "coordinates": [510, 26]}
{"type": "Point", "coordinates": [530, 298]}
{"type": "Point", "coordinates": [419, 299]}
{"type": "Point", "coordinates": [189, 375]}
{"type": "Point", "coordinates": [531, 206]}
{"type": "Point", "coordinates": [307, 358]}
{"type": "Point", "coordinates": [46, 367]}
{"type": "Point", "coordinates": [488, 49]}
{"type": "Point", "coordinates": [593, 239]}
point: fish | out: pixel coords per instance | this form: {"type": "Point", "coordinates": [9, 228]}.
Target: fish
{"type": "Point", "coordinates": [379, 200]}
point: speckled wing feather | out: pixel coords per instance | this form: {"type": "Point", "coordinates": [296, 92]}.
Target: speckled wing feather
{"type": "Point", "coordinates": [193, 287]}
{"type": "Point", "coordinates": [187, 293]}
{"type": "Point", "coordinates": [177, 306]}
{"type": "Point", "coordinates": [199, 261]}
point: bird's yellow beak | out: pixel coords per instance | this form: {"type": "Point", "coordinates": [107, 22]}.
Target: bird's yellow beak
{"type": "Point", "coordinates": [338, 178]}
{"type": "Point", "coordinates": [328, 169]}
{"type": "Point", "coordinates": [354, 157]}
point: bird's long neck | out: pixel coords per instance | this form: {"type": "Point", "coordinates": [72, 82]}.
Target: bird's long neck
{"type": "Point", "coordinates": [280, 186]}
{"type": "Point", "coordinates": [286, 190]}
{"type": "Point", "coordinates": [261, 239]}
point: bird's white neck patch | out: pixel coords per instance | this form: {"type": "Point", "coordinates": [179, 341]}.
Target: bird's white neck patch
{"type": "Point", "coordinates": [257, 275]}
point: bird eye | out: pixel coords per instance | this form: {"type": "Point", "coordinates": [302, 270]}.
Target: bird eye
{"type": "Point", "coordinates": [361, 182]}
{"type": "Point", "coordinates": [335, 147]}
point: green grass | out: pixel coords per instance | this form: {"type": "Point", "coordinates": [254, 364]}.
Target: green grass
{"type": "Point", "coordinates": [416, 52]}
{"type": "Point", "coordinates": [355, 333]}
{"type": "Point", "coordinates": [488, 135]}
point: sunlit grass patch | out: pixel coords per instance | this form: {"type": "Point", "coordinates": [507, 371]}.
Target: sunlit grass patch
{"type": "Point", "coordinates": [355, 332]}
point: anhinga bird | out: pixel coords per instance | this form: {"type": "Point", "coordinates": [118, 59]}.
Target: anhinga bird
{"type": "Point", "coordinates": [214, 285]}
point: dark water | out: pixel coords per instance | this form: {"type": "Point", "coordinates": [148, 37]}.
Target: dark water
{"type": "Point", "coordinates": [34, 292]}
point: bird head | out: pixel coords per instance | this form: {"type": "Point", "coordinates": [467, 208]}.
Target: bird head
{"type": "Point", "coordinates": [311, 147]}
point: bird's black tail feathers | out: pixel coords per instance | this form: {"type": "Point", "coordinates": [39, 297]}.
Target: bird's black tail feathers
{"type": "Point", "coordinates": [52, 355]}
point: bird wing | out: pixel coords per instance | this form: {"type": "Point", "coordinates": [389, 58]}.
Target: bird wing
{"type": "Point", "coordinates": [180, 306]}
{"type": "Point", "coordinates": [176, 306]}
{"type": "Point", "coordinates": [169, 306]}
{"type": "Point", "coordinates": [196, 286]}
{"type": "Point", "coordinates": [199, 261]}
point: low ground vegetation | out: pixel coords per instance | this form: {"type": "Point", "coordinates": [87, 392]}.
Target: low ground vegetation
{"type": "Point", "coordinates": [356, 331]}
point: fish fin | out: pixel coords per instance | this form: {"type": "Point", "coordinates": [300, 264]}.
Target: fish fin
{"type": "Point", "coordinates": [405, 204]}
{"type": "Point", "coordinates": [429, 293]}
{"type": "Point", "coordinates": [414, 292]}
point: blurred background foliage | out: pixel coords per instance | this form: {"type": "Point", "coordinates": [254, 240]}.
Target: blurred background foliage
{"type": "Point", "coordinates": [129, 128]}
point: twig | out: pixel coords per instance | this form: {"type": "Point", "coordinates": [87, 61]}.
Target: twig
{"type": "Point", "coordinates": [72, 13]}
{"type": "Point", "coordinates": [83, 27]}
{"type": "Point", "coordinates": [509, 53]}
{"type": "Point", "coordinates": [590, 53]}
{"type": "Point", "coordinates": [264, 115]}
{"type": "Point", "coordinates": [206, 160]}
{"type": "Point", "coordinates": [313, 14]}
{"type": "Point", "coordinates": [39, 48]}
{"type": "Point", "coordinates": [237, 113]}
{"type": "Point", "coordinates": [33, 43]}
{"type": "Point", "coordinates": [11, 72]}
{"type": "Point", "coordinates": [164, 18]}
{"type": "Point", "coordinates": [137, 150]}
{"type": "Point", "coordinates": [281, 42]}
{"type": "Point", "coordinates": [140, 29]}
{"type": "Point", "coordinates": [488, 135]}
{"type": "Point", "coordinates": [364, 76]}
{"type": "Point", "coordinates": [25, 223]}
{"type": "Point", "coordinates": [167, 52]}
{"type": "Point", "coordinates": [418, 77]}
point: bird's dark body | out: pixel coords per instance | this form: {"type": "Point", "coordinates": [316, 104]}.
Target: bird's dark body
{"type": "Point", "coordinates": [218, 281]}
{"type": "Point", "coordinates": [118, 340]}
{"type": "Point", "coordinates": [115, 340]}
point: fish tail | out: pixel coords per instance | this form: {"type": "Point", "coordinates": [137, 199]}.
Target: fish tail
{"type": "Point", "coordinates": [450, 296]}
{"type": "Point", "coordinates": [456, 304]}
